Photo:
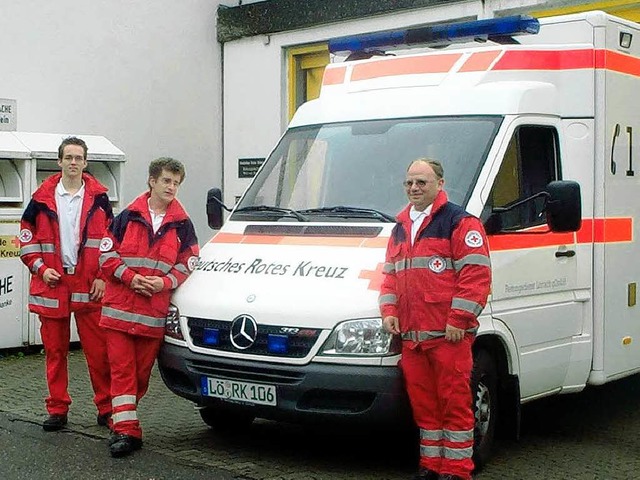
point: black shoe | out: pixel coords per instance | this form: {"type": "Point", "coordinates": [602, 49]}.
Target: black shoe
{"type": "Point", "coordinates": [122, 445]}
{"type": "Point", "coordinates": [54, 423]}
{"type": "Point", "coordinates": [103, 420]}
{"type": "Point", "coordinates": [426, 474]}
{"type": "Point", "coordinates": [449, 476]}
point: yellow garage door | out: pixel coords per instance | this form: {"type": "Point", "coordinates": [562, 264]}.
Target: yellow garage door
{"type": "Point", "coordinates": [306, 67]}
{"type": "Point", "coordinates": [622, 8]}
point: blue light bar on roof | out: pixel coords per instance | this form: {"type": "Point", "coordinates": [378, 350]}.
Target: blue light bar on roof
{"type": "Point", "coordinates": [437, 34]}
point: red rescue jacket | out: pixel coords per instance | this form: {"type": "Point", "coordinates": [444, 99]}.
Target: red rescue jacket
{"type": "Point", "coordinates": [131, 247]}
{"type": "Point", "coordinates": [40, 248]}
{"type": "Point", "coordinates": [443, 278]}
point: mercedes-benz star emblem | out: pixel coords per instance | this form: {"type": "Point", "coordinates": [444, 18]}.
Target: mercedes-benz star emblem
{"type": "Point", "coordinates": [244, 331]}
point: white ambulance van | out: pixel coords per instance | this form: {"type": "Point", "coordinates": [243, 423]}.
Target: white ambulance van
{"type": "Point", "coordinates": [536, 132]}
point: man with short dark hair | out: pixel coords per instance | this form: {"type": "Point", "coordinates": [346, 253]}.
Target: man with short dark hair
{"type": "Point", "coordinates": [60, 236]}
{"type": "Point", "coordinates": [151, 248]}
{"type": "Point", "coordinates": [437, 280]}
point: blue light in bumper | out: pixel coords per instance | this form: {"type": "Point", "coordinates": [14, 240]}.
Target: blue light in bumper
{"type": "Point", "coordinates": [437, 34]}
{"type": "Point", "coordinates": [277, 343]}
{"type": "Point", "coordinates": [211, 336]}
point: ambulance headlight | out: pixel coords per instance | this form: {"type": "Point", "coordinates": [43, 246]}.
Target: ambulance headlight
{"type": "Point", "coordinates": [172, 325]}
{"type": "Point", "coordinates": [360, 337]}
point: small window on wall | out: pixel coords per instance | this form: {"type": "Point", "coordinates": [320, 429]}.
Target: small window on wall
{"type": "Point", "coordinates": [306, 68]}
{"type": "Point", "coordinates": [531, 161]}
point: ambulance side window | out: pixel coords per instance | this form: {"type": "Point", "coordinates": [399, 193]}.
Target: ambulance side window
{"type": "Point", "coordinates": [531, 161]}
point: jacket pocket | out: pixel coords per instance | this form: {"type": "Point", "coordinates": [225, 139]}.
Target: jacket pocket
{"type": "Point", "coordinates": [441, 295]}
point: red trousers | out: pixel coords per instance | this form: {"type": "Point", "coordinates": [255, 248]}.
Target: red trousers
{"type": "Point", "coordinates": [131, 358]}
{"type": "Point", "coordinates": [56, 333]}
{"type": "Point", "coordinates": [438, 375]}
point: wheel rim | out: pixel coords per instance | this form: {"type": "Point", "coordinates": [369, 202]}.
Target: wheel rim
{"type": "Point", "coordinates": [483, 409]}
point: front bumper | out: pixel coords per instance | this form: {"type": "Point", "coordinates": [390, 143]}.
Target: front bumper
{"type": "Point", "coordinates": [313, 392]}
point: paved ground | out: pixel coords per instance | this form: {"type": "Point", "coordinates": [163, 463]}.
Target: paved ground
{"type": "Point", "coordinates": [592, 435]}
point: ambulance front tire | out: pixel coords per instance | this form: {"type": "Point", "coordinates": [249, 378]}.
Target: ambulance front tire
{"type": "Point", "coordinates": [484, 389]}
{"type": "Point", "coordinates": [225, 420]}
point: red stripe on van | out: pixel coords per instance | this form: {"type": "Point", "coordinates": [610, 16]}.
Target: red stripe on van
{"type": "Point", "coordinates": [334, 76]}
{"type": "Point", "coordinates": [546, 59]}
{"type": "Point", "coordinates": [237, 238]}
{"type": "Point", "coordinates": [480, 61]}
{"type": "Point", "coordinates": [441, 63]}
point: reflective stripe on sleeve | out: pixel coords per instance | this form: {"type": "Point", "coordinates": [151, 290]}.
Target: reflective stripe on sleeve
{"type": "Point", "coordinates": [48, 247]}
{"type": "Point", "coordinates": [93, 242]}
{"type": "Point", "coordinates": [119, 272]}
{"type": "Point", "coordinates": [389, 268]}
{"type": "Point", "coordinates": [174, 280]}
{"type": "Point", "coordinates": [133, 317]}
{"type": "Point", "coordinates": [466, 305]}
{"type": "Point", "coordinates": [388, 298]}
{"type": "Point", "coordinates": [147, 263]}
{"type": "Point", "coordinates": [473, 259]}
{"type": "Point", "coordinates": [34, 248]}
{"type": "Point", "coordinates": [106, 256]}
{"type": "Point", "coordinates": [36, 265]}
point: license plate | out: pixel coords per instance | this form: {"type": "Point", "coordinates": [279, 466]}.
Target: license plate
{"type": "Point", "coordinates": [256, 393]}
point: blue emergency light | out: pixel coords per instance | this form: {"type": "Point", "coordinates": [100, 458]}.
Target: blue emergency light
{"type": "Point", "coordinates": [437, 34]}
{"type": "Point", "coordinates": [211, 336]}
{"type": "Point", "coordinates": [277, 343]}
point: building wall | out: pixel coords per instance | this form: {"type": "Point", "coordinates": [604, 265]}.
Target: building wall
{"type": "Point", "coordinates": [144, 74]}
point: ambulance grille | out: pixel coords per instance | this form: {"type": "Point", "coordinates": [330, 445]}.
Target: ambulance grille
{"type": "Point", "coordinates": [299, 343]}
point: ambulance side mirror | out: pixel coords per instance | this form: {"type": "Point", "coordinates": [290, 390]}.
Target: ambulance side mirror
{"type": "Point", "coordinates": [564, 206]}
{"type": "Point", "coordinates": [214, 208]}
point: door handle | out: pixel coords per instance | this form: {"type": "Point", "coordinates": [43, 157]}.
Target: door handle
{"type": "Point", "coordinates": [566, 253]}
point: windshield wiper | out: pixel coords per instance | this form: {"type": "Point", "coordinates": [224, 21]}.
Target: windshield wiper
{"type": "Point", "coordinates": [351, 212]}
{"type": "Point", "coordinates": [271, 209]}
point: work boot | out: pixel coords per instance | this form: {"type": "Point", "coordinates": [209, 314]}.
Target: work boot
{"type": "Point", "coordinates": [426, 474]}
{"type": "Point", "coordinates": [103, 420]}
{"type": "Point", "coordinates": [122, 445]}
{"type": "Point", "coordinates": [54, 423]}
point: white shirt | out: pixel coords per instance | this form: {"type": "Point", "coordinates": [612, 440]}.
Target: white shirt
{"type": "Point", "coordinates": [417, 217]}
{"type": "Point", "coordinates": [69, 211]}
{"type": "Point", "coordinates": [156, 220]}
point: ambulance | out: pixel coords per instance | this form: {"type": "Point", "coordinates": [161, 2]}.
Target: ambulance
{"type": "Point", "coordinates": [535, 124]}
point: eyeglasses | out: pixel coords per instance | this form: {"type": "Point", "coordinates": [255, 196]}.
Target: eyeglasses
{"type": "Point", "coordinates": [420, 183]}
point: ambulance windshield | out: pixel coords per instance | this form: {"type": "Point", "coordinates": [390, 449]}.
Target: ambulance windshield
{"type": "Point", "coordinates": [361, 165]}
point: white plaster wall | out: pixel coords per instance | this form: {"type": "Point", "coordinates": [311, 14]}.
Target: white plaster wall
{"type": "Point", "coordinates": [255, 76]}
{"type": "Point", "coordinates": [144, 74]}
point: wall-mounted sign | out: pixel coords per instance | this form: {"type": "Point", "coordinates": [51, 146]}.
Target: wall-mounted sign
{"type": "Point", "coordinates": [247, 167]}
{"type": "Point", "coordinates": [8, 115]}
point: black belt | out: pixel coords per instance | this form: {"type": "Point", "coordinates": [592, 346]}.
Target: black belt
{"type": "Point", "coordinates": [69, 270]}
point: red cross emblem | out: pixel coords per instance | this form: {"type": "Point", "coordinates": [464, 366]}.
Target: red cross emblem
{"type": "Point", "coordinates": [437, 264]}
{"type": "Point", "coordinates": [473, 239]}
{"type": "Point", "coordinates": [375, 277]}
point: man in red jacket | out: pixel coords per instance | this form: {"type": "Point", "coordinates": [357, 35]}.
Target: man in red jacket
{"type": "Point", "coordinates": [60, 235]}
{"type": "Point", "coordinates": [150, 250]}
{"type": "Point", "coordinates": [437, 280]}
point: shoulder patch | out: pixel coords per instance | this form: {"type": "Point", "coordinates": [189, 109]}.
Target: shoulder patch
{"type": "Point", "coordinates": [25, 235]}
{"type": "Point", "coordinates": [192, 263]}
{"type": "Point", "coordinates": [473, 239]}
{"type": "Point", "coordinates": [106, 244]}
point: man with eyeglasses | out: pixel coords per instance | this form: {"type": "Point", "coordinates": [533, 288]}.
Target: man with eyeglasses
{"type": "Point", "coordinates": [437, 280]}
{"type": "Point", "coordinates": [150, 249]}
{"type": "Point", "coordinates": [60, 235]}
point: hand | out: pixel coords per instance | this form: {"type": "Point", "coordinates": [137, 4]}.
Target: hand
{"type": "Point", "coordinates": [51, 277]}
{"type": "Point", "coordinates": [453, 334]}
{"type": "Point", "coordinates": [154, 283]}
{"type": "Point", "coordinates": [139, 285]}
{"type": "Point", "coordinates": [97, 290]}
{"type": "Point", "coordinates": [391, 325]}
